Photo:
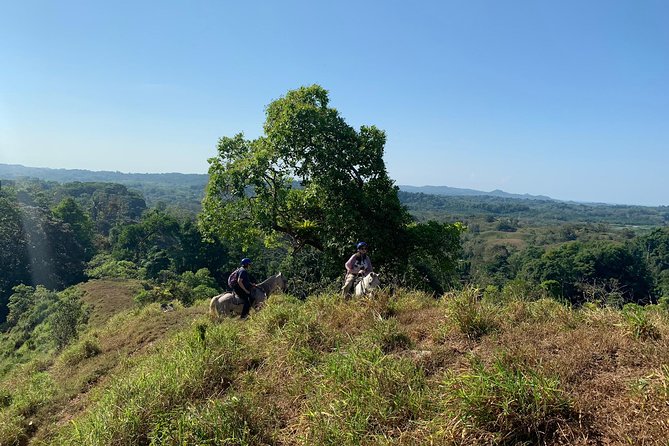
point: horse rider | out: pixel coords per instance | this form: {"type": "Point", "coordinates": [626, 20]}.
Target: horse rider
{"type": "Point", "coordinates": [359, 265]}
{"type": "Point", "coordinates": [243, 287]}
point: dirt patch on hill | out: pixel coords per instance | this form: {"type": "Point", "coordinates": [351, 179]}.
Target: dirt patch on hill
{"type": "Point", "coordinates": [108, 297]}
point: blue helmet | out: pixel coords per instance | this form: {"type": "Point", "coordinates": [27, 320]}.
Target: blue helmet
{"type": "Point", "coordinates": [246, 261]}
{"type": "Point", "coordinates": [361, 245]}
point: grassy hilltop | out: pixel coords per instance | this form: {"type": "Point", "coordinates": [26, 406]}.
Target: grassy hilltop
{"type": "Point", "coordinates": [470, 368]}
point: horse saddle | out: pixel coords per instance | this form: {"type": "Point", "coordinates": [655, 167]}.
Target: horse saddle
{"type": "Point", "coordinates": [236, 300]}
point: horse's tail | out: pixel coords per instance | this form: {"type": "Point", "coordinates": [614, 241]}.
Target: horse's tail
{"type": "Point", "coordinates": [212, 307]}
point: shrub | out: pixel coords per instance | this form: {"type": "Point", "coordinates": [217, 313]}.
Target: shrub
{"type": "Point", "coordinates": [103, 266]}
{"type": "Point", "coordinates": [640, 324]}
{"type": "Point", "coordinates": [516, 406]}
{"type": "Point", "coordinates": [68, 316]}
{"type": "Point", "coordinates": [473, 317]}
{"type": "Point", "coordinates": [76, 353]}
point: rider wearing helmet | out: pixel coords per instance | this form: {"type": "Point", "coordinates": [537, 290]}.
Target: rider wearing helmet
{"type": "Point", "coordinates": [359, 265]}
{"type": "Point", "coordinates": [244, 286]}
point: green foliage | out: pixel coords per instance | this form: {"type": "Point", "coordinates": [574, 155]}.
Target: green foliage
{"type": "Point", "coordinates": [39, 246]}
{"type": "Point", "coordinates": [79, 351]}
{"type": "Point", "coordinates": [14, 258]}
{"type": "Point", "coordinates": [183, 191]}
{"type": "Point", "coordinates": [104, 266]}
{"type": "Point", "coordinates": [341, 176]}
{"type": "Point", "coordinates": [69, 212]}
{"type": "Point", "coordinates": [471, 315]}
{"type": "Point", "coordinates": [540, 212]}
{"type": "Point", "coordinates": [162, 242]}
{"type": "Point", "coordinates": [654, 247]}
{"type": "Point", "coordinates": [106, 204]}
{"type": "Point", "coordinates": [156, 232]}
{"type": "Point", "coordinates": [28, 308]}
{"type": "Point", "coordinates": [433, 254]}
{"type": "Point", "coordinates": [186, 288]}
{"type": "Point", "coordinates": [639, 322]}
{"type": "Point", "coordinates": [313, 180]}
{"type": "Point", "coordinates": [518, 406]}
{"type": "Point", "coordinates": [363, 394]}
{"type": "Point", "coordinates": [40, 320]}
{"type": "Point", "coordinates": [67, 317]}
{"type": "Point", "coordinates": [592, 271]}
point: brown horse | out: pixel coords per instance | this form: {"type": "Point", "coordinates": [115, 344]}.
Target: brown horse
{"type": "Point", "coordinates": [227, 304]}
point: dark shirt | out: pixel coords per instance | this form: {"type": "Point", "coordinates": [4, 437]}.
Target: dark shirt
{"type": "Point", "coordinates": [245, 279]}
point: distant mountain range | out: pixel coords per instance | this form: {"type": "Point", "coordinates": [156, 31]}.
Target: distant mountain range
{"type": "Point", "coordinates": [455, 191]}
{"type": "Point", "coordinates": [16, 171]}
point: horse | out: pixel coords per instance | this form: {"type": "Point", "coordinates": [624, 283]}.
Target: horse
{"type": "Point", "coordinates": [227, 304]}
{"type": "Point", "coordinates": [367, 284]}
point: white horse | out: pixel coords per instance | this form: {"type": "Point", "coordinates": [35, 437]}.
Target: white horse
{"type": "Point", "coordinates": [367, 284]}
{"type": "Point", "coordinates": [227, 304]}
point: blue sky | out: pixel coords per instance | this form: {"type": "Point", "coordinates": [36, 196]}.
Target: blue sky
{"type": "Point", "coordinates": [568, 99]}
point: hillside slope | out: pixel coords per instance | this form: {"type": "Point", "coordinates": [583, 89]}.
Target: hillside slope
{"type": "Point", "coordinates": [402, 369]}
{"type": "Point", "coordinates": [106, 298]}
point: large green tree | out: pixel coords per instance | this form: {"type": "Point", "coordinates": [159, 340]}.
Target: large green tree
{"type": "Point", "coordinates": [311, 180]}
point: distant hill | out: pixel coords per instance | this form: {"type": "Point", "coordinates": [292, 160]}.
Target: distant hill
{"type": "Point", "coordinates": [458, 192]}
{"type": "Point", "coordinates": [179, 189]}
{"type": "Point", "coordinates": [186, 191]}
{"type": "Point", "coordinates": [17, 171]}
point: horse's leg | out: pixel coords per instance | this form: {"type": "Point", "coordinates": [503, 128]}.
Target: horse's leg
{"type": "Point", "coordinates": [213, 311]}
{"type": "Point", "coordinates": [212, 307]}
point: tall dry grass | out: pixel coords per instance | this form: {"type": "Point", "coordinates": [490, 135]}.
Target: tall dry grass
{"type": "Point", "coordinates": [398, 369]}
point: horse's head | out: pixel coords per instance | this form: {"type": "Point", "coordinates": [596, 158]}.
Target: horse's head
{"type": "Point", "coordinates": [374, 281]}
{"type": "Point", "coordinates": [283, 282]}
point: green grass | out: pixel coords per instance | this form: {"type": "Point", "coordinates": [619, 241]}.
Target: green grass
{"type": "Point", "coordinates": [185, 369]}
{"type": "Point", "coordinates": [401, 369]}
{"type": "Point", "coordinates": [362, 396]}
{"type": "Point", "coordinates": [508, 404]}
{"type": "Point", "coordinates": [473, 316]}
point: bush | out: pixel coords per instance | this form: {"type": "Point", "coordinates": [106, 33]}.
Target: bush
{"type": "Point", "coordinates": [473, 317]}
{"type": "Point", "coordinates": [80, 351]}
{"type": "Point", "coordinates": [186, 288]}
{"type": "Point", "coordinates": [516, 406]}
{"type": "Point", "coordinates": [67, 317]}
{"type": "Point", "coordinates": [640, 324]}
{"type": "Point", "coordinates": [103, 266]}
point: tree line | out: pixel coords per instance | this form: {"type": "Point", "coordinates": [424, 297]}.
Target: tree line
{"type": "Point", "coordinates": [297, 199]}
{"type": "Point", "coordinates": [534, 211]}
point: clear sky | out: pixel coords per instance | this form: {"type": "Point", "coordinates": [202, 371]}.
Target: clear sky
{"type": "Point", "coordinates": [567, 98]}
